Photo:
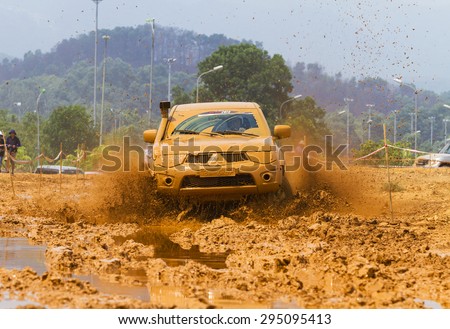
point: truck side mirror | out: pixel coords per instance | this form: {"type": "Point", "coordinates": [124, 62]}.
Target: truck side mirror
{"type": "Point", "coordinates": [150, 136]}
{"type": "Point", "coordinates": [282, 131]}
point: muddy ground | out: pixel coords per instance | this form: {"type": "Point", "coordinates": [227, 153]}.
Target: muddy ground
{"type": "Point", "coordinates": [335, 244]}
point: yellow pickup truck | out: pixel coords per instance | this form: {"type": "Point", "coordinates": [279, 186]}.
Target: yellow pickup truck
{"type": "Point", "coordinates": [220, 150]}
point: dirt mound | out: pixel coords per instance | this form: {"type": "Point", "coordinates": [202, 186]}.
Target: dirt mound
{"type": "Point", "coordinates": [108, 198]}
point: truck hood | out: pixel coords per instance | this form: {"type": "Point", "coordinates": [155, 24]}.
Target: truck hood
{"type": "Point", "coordinates": [443, 157]}
{"type": "Point", "coordinates": [228, 143]}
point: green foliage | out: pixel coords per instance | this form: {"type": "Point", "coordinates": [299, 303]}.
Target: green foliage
{"type": "Point", "coordinates": [249, 75]}
{"type": "Point", "coordinates": [396, 157]}
{"type": "Point", "coordinates": [92, 158]}
{"type": "Point", "coordinates": [22, 154]}
{"type": "Point", "coordinates": [180, 96]}
{"type": "Point", "coordinates": [71, 126]}
{"type": "Point", "coordinates": [306, 119]}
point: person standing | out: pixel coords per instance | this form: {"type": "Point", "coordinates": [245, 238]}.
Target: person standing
{"type": "Point", "coordinates": [12, 144]}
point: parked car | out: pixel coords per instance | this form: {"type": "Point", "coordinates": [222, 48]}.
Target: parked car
{"type": "Point", "coordinates": [435, 160]}
{"type": "Point", "coordinates": [54, 169]}
{"type": "Point", "coordinates": [215, 150]}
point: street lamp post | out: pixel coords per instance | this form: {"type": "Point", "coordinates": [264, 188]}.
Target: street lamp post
{"type": "Point", "coordinates": [395, 126]}
{"type": "Point", "coordinates": [285, 102]}
{"type": "Point", "coordinates": [215, 68]}
{"type": "Point", "coordinates": [95, 60]}
{"type": "Point", "coordinates": [431, 129]}
{"type": "Point", "coordinates": [369, 121]}
{"type": "Point", "coordinates": [169, 91]}
{"type": "Point", "coordinates": [416, 92]}
{"type": "Point", "coordinates": [151, 21]}
{"type": "Point", "coordinates": [445, 129]}
{"type": "Point", "coordinates": [347, 110]}
{"type": "Point", "coordinates": [106, 38]}
{"type": "Point", "coordinates": [38, 123]}
{"type": "Point", "coordinates": [412, 122]}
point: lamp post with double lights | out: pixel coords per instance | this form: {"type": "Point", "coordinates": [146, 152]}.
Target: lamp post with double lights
{"type": "Point", "coordinates": [215, 68]}
{"type": "Point", "coordinates": [95, 60]}
{"type": "Point", "coordinates": [151, 21]}
{"type": "Point", "coordinates": [285, 102]}
{"type": "Point", "coordinates": [416, 92]}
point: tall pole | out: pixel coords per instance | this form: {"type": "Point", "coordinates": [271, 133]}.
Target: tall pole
{"type": "Point", "coordinates": [95, 60]}
{"type": "Point", "coordinates": [38, 123]}
{"type": "Point", "coordinates": [106, 38]}
{"type": "Point", "coordinates": [445, 130]}
{"type": "Point", "coordinates": [431, 129]}
{"type": "Point", "coordinates": [416, 93]}
{"type": "Point", "coordinates": [152, 58]}
{"type": "Point", "coordinates": [412, 122]}
{"type": "Point", "coordinates": [169, 91]}
{"type": "Point", "coordinates": [347, 101]}
{"type": "Point", "coordinates": [395, 127]}
{"type": "Point", "coordinates": [370, 106]}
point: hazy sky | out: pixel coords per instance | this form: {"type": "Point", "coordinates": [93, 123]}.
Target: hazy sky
{"type": "Point", "coordinates": [356, 37]}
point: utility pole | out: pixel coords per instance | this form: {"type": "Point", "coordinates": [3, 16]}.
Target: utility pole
{"type": "Point", "coordinates": [432, 126]}
{"type": "Point", "coordinates": [106, 38]}
{"type": "Point", "coordinates": [151, 21]}
{"type": "Point", "coordinates": [169, 90]}
{"type": "Point", "coordinates": [95, 60]}
{"type": "Point", "coordinates": [347, 101]}
{"type": "Point", "coordinates": [369, 122]}
{"type": "Point", "coordinates": [395, 126]}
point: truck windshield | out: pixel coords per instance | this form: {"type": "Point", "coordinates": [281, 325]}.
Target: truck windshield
{"type": "Point", "coordinates": [218, 122]}
{"type": "Point", "coordinates": [446, 149]}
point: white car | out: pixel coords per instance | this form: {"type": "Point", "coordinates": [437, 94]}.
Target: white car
{"type": "Point", "coordinates": [435, 160]}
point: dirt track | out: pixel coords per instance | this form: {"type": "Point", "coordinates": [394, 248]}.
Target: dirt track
{"type": "Point", "coordinates": [334, 245]}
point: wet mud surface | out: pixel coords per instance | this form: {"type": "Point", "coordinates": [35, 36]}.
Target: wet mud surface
{"type": "Point", "coordinates": [110, 242]}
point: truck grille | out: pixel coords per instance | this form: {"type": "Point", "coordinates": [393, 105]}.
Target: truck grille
{"type": "Point", "coordinates": [227, 156]}
{"type": "Point", "coordinates": [238, 180]}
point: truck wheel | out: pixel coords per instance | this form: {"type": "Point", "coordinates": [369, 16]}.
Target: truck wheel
{"type": "Point", "coordinates": [286, 188]}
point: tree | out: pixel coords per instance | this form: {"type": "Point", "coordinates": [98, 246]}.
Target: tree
{"type": "Point", "coordinates": [306, 119]}
{"type": "Point", "coordinates": [28, 132]}
{"type": "Point", "coordinates": [71, 126]}
{"type": "Point", "coordinates": [249, 74]}
{"type": "Point", "coordinates": [180, 96]}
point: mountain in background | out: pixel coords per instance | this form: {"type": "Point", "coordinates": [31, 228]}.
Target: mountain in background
{"type": "Point", "coordinates": [131, 45]}
{"type": "Point", "coordinates": [5, 56]}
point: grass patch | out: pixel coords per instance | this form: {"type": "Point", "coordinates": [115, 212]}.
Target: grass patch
{"type": "Point", "coordinates": [395, 187]}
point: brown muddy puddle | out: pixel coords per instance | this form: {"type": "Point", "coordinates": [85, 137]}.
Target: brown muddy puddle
{"type": "Point", "coordinates": [171, 252]}
{"type": "Point", "coordinates": [18, 253]}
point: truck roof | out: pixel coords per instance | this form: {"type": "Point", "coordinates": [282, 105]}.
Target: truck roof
{"type": "Point", "coordinates": [216, 105]}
